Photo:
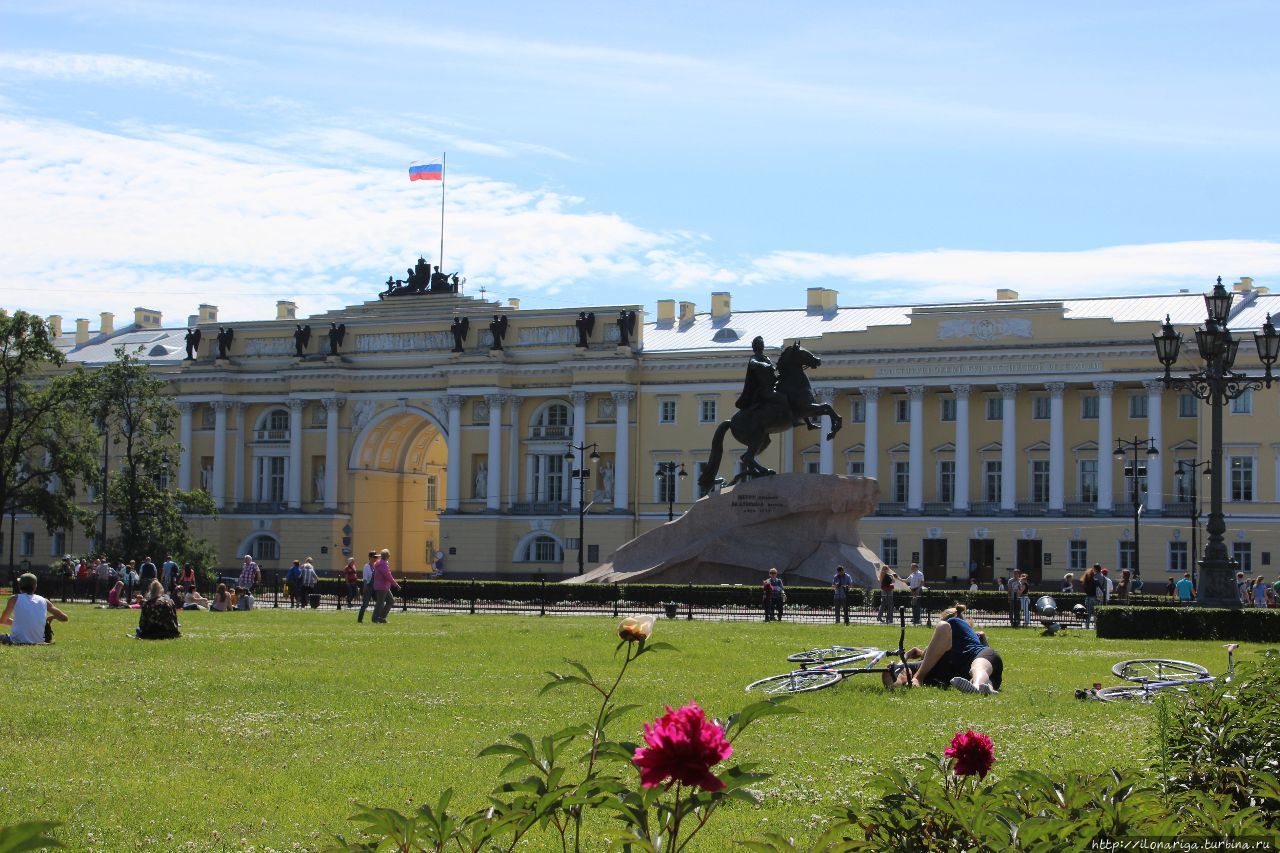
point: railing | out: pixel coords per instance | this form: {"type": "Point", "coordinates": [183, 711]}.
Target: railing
{"type": "Point", "coordinates": [541, 508]}
{"type": "Point", "coordinates": [271, 435]}
{"type": "Point", "coordinates": [886, 508]}
{"type": "Point", "coordinates": [1032, 508]}
{"type": "Point", "coordinates": [938, 508]}
{"type": "Point", "coordinates": [1081, 508]}
{"type": "Point", "coordinates": [984, 508]}
{"type": "Point", "coordinates": [261, 507]}
{"type": "Point", "coordinates": [555, 431]}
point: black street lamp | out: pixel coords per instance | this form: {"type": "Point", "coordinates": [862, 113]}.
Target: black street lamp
{"type": "Point", "coordinates": [1217, 384]}
{"type": "Point", "coordinates": [667, 475]}
{"type": "Point", "coordinates": [1137, 471]}
{"type": "Point", "coordinates": [581, 473]}
{"type": "Point", "coordinates": [1185, 468]}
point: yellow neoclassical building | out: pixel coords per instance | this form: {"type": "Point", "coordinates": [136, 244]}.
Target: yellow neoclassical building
{"type": "Point", "coordinates": [990, 426]}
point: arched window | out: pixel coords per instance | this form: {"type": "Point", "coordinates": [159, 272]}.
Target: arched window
{"type": "Point", "coordinates": [264, 548]}
{"type": "Point", "coordinates": [278, 419]}
{"type": "Point", "coordinates": [541, 548]}
{"type": "Point", "coordinates": [551, 421]}
{"type": "Point", "coordinates": [273, 426]}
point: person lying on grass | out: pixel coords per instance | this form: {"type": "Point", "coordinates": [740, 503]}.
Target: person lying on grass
{"type": "Point", "coordinates": [956, 656]}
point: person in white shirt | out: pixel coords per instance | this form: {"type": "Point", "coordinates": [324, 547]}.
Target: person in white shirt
{"type": "Point", "coordinates": [915, 581]}
{"type": "Point", "coordinates": [366, 594]}
{"type": "Point", "coordinates": [29, 614]}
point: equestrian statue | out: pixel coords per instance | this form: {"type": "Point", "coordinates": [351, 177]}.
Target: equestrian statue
{"type": "Point", "coordinates": [773, 400]}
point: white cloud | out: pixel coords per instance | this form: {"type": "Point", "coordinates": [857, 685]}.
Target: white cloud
{"type": "Point", "coordinates": [96, 67]}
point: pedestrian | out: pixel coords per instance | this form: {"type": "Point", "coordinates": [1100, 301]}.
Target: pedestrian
{"type": "Point", "coordinates": [1013, 587]}
{"type": "Point", "coordinates": [293, 583]}
{"type": "Point", "coordinates": [308, 580]}
{"type": "Point", "coordinates": [1124, 587]}
{"type": "Point", "coordinates": [1069, 582]}
{"type": "Point", "coordinates": [1185, 589]}
{"type": "Point", "coordinates": [366, 594]}
{"type": "Point", "coordinates": [1024, 598]}
{"type": "Point", "coordinates": [887, 579]}
{"type": "Point", "coordinates": [1171, 588]}
{"type": "Point", "coordinates": [774, 595]}
{"type": "Point", "coordinates": [383, 583]}
{"type": "Point", "coordinates": [1260, 592]}
{"type": "Point", "coordinates": [83, 575]}
{"type": "Point", "coordinates": [131, 579]}
{"type": "Point", "coordinates": [1105, 586]}
{"type": "Point", "coordinates": [104, 581]}
{"type": "Point", "coordinates": [189, 578]}
{"type": "Point", "coordinates": [915, 582]}
{"type": "Point", "coordinates": [250, 574]}
{"type": "Point", "coordinates": [146, 572]}
{"type": "Point", "coordinates": [840, 586]}
{"type": "Point", "coordinates": [29, 614]}
{"type": "Point", "coordinates": [1243, 589]}
{"type": "Point", "coordinates": [352, 577]}
{"type": "Point", "coordinates": [169, 572]}
{"type": "Point", "coordinates": [1090, 584]}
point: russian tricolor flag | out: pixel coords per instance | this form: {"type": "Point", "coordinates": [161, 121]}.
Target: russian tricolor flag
{"type": "Point", "coordinates": [432, 171]}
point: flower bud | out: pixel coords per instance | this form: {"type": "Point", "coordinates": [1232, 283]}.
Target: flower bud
{"type": "Point", "coordinates": [636, 628]}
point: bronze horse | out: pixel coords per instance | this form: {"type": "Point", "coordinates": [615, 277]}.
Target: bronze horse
{"type": "Point", "coordinates": [752, 427]}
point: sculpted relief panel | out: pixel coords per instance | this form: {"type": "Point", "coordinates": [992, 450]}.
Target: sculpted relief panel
{"type": "Point", "coordinates": [985, 329]}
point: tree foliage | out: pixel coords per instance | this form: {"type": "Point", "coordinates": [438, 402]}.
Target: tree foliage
{"type": "Point", "coordinates": [47, 437]}
{"type": "Point", "coordinates": [138, 415]}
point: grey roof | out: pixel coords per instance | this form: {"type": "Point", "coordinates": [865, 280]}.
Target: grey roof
{"type": "Point", "coordinates": [159, 346]}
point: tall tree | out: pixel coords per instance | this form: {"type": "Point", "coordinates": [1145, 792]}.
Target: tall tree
{"type": "Point", "coordinates": [138, 414]}
{"type": "Point", "coordinates": [48, 441]}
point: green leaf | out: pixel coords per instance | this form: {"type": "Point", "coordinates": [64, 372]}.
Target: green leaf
{"type": "Point", "coordinates": [21, 837]}
{"type": "Point", "coordinates": [756, 711]}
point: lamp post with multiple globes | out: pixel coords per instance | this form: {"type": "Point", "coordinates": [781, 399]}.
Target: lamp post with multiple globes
{"type": "Point", "coordinates": [1136, 472]}
{"type": "Point", "coordinates": [667, 477]}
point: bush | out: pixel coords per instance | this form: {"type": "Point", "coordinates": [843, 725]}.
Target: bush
{"type": "Point", "coordinates": [1189, 623]}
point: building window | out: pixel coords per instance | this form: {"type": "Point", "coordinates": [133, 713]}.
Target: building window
{"type": "Point", "coordinates": [666, 411]}
{"type": "Point", "coordinates": [1178, 557]}
{"type": "Point", "coordinates": [1088, 480]}
{"type": "Point", "coordinates": [1242, 553]}
{"type": "Point", "coordinates": [1241, 478]}
{"type": "Point", "coordinates": [901, 481]}
{"type": "Point", "coordinates": [855, 469]}
{"type": "Point", "coordinates": [551, 421]}
{"type": "Point", "coordinates": [902, 411]}
{"type": "Point", "coordinates": [269, 482]}
{"type": "Point", "coordinates": [1243, 405]}
{"type": "Point", "coordinates": [1040, 408]}
{"type": "Point", "coordinates": [992, 480]}
{"type": "Point", "coordinates": [58, 543]}
{"type": "Point", "coordinates": [1089, 407]}
{"type": "Point", "coordinates": [947, 481]}
{"type": "Point", "coordinates": [889, 551]}
{"type": "Point", "coordinates": [264, 548]}
{"type": "Point", "coordinates": [548, 478]}
{"type": "Point", "coordinates": [812, 467]}
{"type": "Point", "coordinates": [707, 411]}
{"type": "Point", "coordinates": [433, 492]}
{"type": "Point", "coordinates": [858, 412]}
{"type": "Point", "coordinates": [544, 549]}
{"type": "Point", "coordinates": [1187, 405]}
{"type": "Point", "coordinates": [1126, 556]}
{"type": "Point", "coordinates": [947, 409]}
{"type": "Point", "coordinates": [1138, 405]}
{"type": "Point", "coordinates": [278, 420]}
{"type": "Point", "coordinates": [995, 408]}
{"type": "Point", "coordinates": [1040, 480]}
{"type": "Point", "coordinates": [666, 481]}
{"type": "Point", "coordinates": [1077, 555]}
{"type": "Point", "coordinates": [27, 544]}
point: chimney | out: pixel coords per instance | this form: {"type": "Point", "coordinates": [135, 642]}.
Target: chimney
{"type": "Point", "coordinates": [1244, 285]}
{"type": "Point", "coordinates": [820, 300]}
{"type": "Point", "coordinates": [687, 312]}
{"type": "Point", "coordinates": [82, 332]}
{"type": "Point", "coordinates": [1004, 294]}
{"type": "Point", "coordinates": [720, 305]}
{"type": "Point", "coordinates": [207, 314]}
{"type": "Point", "coordinates": [666, 310]}
{"type": "Point", "coordinates": [107, 323]}
{"type": "Point", "coordinates": [286, 310]}
{"type": "Point", "coordinates": [514, 303]}
{"type": "Point", "coordinates": [146, 318]}
{"type": "Point", "coordinates": [55, 325]}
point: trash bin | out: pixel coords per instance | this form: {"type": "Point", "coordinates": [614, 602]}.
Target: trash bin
{"type": "Point", "coordinates": [671, 609]}
{"type": "Point", "coordinates": [314, 600]}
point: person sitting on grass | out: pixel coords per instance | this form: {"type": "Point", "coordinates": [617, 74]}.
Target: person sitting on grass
{"type": "Point", "coordinates": [194, 600]}
{"type": "Point", "coordinates": [222, 601]}
{"type": "Point", "coordinates": [29, 614]}
{"type": "Point", "coordinates": [117, 596]}
{"type": "Point", "coordinates": [957, 656]}
{"type": "Point", "coordinates": [158, 618]}
{"type": "Point", "coordinates": [244, 601]}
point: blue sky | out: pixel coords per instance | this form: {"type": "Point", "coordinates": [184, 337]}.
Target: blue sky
{"type": "Point", "coordinates": [163, 154]}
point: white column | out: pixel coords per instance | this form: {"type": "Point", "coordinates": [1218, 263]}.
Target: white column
{"type": "Point", "coordinates": [961, 500]}
{"type": "Point", "coordinates": [295, 454]}
{"type": "Point", "coordinates": [513, 456]}
{"type": "Point", "coordinates": [826, 449]}
{"type": "Point", "coordinates": [1057, 448]}
{"type": "Point", "coordinates": [915, 455]}
{"type": "Point", "coordinates": [1008, 448]}
{"type": "Point", "coordinates": [580, 458]}
{"type": "Point", "coordinates": [237, 476]}
{"type": "Point", "coordinates": [493, 482]}
{"type": "Point", "coordinates": [219, 484]}
{"type": "Point", "coordinates": [453, 467]}
{"type": "Point", "coordinates": [871, 434]}
{"type": "Point", "coordinates": [1106, 440]}
{"type": "Point", "coordinates": [331, 407]}
{"type": "Point", "coordinates": [622, 449]}
{"type": "Point", "coordinates": [184, 438]}
{"type": "Point", "coordinates": [1155, 464]}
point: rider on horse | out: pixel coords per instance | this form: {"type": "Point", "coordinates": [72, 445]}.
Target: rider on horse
{"type": "Point", "coordinates": [760, 388]}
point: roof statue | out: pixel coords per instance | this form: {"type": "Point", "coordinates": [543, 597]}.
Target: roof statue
{"type": "Point", "coordinates": [337, 334]}
{"type": "Point", "coordinates": [193, 344]}
{"type": "Point", "coordinates": [626, 327]}
{"type": "Point", "coordinates": [498, 328]}
{"type": "Point", "coordinates": [586, 324]}
{"type": "Point", "coordinates": [459, 328]}
{"type": "Point", "coordinates": [301, 338]}
{"type": "Point", "coordinates": [225, 337]}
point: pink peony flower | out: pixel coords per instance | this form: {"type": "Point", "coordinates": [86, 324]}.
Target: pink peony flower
{"type": "Point", "coordinates": [682, 745]}
{"type": "Point", "coordinates": [973, 752]}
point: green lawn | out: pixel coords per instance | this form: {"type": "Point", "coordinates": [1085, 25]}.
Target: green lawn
{"type": "Point", "coordinates": [261, 729]}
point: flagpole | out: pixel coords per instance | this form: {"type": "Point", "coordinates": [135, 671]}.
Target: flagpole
{"type": "Point", "coordinates": [444, 162]}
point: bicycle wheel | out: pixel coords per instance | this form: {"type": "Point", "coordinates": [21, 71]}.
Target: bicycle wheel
{"type": "Point", "coordinates": [800, 681]}
{"type": "Point", "coordinates": [1126, 693]}
{"type": "Point", "coordinates": [820, 656]}
{"type": "Point", "coordinates": [1147, 670]}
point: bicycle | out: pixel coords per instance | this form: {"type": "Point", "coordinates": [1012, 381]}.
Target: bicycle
{"type": "Point", "coordinates": [822, 668]}
{"type": "Point", "coordinates": [1150, 677]}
